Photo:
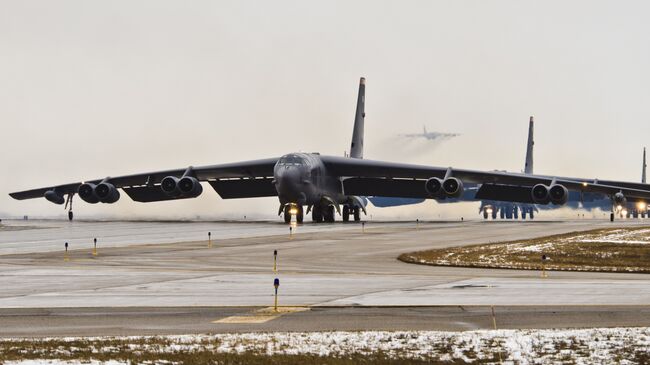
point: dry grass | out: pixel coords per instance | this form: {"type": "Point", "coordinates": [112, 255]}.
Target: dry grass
{"type": "Point", "coordinates": [155, 351]}
{"type": "Point", "coordinates": [611, 249]}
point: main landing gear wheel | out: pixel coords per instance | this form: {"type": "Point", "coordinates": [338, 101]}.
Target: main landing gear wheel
{"type": "Point", "coordinates": [329, 214]}
{"type": "Point", "coordinates": [316, 214]}
{"type": "Point", "coordinates": [287, 214]}
{"type": "Point", "coordinates": [357, 215]}
{"type": "Point", "coordinates": [346, 213]}
{"type": "Point", "coordinates": [494, 213]}
{"type": "Point", "coordinates": [485, 214]}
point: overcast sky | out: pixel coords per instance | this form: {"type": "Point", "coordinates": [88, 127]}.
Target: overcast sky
{"type": "Point", "coordinates": [93, 89]}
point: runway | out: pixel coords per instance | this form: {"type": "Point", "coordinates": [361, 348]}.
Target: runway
{"type": "Point", "coordinates": [166, 267]}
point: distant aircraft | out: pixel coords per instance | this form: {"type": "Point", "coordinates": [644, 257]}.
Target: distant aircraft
{"type": "Point", "coordinates": [430, 135]}
{"type": "Point", "coordinates": [323, 183]}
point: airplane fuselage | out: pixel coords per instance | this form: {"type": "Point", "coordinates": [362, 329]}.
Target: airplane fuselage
{"type": "Point", "coordinates": [303, 179]}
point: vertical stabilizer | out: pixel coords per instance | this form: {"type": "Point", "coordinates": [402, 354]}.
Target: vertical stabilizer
{"type": "Point", "coordinates": [356, 149]}
{"type": "Point", "coordinates": [528, 168]}
{"type": "Point", "coordinates": [644, 168]}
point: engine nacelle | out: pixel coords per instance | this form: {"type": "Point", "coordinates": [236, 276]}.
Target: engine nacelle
{"type": "Point", "coordinates": [540, 194]}
{"type": "Point", "coordinates": [619, 199]}
{"type": "Point", "coordinates": [433, 186]}
{"type": "Point", "coordinates": [107, 193]}
{"type": "Point", "coordinates": [558, 194]}
{"type": "Point", "coordinates": [86, 192]}
{"type": "Point", "coordinates": [54, 197]}
{"type": "Point", "coordinates": [186, 187]}
{"type": "Point", "coordinates": [452, 187]}
{"type": "Point", "coordinates": [190, 187]}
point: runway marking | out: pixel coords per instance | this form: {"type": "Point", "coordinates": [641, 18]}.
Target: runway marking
{"type": "Point", "coordinates": [261, 315]}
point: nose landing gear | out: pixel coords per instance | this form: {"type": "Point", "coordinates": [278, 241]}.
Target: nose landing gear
{"type": "Point", "coordinates": [68, 204]}
{"type": "Point", "coordinates": [291, 210]}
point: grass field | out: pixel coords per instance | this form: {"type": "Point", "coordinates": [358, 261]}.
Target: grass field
{"type": "Point", "coordinates": [582, 346]}
{"type": "Point", "coordinates": [611, 249]}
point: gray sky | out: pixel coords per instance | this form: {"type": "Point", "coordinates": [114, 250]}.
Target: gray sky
{"type": "Point", "coordinates": [92, 89]}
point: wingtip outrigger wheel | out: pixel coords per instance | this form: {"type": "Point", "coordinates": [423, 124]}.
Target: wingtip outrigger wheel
{"type": "Point", "coordinates": [68, 204]}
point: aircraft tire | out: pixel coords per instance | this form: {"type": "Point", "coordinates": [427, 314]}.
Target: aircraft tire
{"type": "Point", "coordinates": [515, 213]}
{"type": "Point", "coordinates": [316, 214]}
{"type": "Point", "coordinates": [485, 214]}
{"type": "Point", "coordinates": [523, 213]}
{"type": "Point", "coordinates": [502, 213]}
{"type": "Point", "coordinates": [287, 215]}
{"type": "Point", "coordinates": [346, 213]}
{"type": "Point", "coordinates": [329, 214]}
{"type": "Point", "coordinates": [357, 214]}
{"type": "Point", "coordinates": [494, 213]}
{"type": "Point", "coordinates": [300, 215]}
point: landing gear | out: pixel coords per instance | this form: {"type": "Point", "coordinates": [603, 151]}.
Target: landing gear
{"type": "Point", "coordinates": [502, 213]}
{"type": "Point", "coordinates": [346, 213]}
{"type": "Point", "coordinates": [515, 213]}
{"type": "Point", "coordinates": [523, 213]}
{"type": "Point", "coordinates": [329, 214]}
{"type": "Point", "coordinates": [611, 216]}
{"type": "Point", "coordinates": [485, 214]}
{"type": "Point", "coordinates": [316, 214]}
{"type": "Point", "coordinates": [287, 213]}
{"type": "Point", "coordinates": [509, 213]}
{"type": "Point", "coordinates": [532, 214]}
{"type": "Point", "coordinates": [494, 213]}
{"type": "Point", "coordinates": [299, 214]}
{"type": "Point", "coordinates": [357, 214]}
{"type": "Point", "coordinates": [68, 204]}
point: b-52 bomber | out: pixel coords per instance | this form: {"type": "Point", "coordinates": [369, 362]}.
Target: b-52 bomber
{"type": "Point", "coordinates": [326, 185]}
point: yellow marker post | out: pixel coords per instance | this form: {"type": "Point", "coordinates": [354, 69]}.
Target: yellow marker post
{"type": "Point", "coordinates": [209, 239]}
{"type": "Point", "coordinates": [417, 224]}
{"type": "Point", "coordinates": [65, 257]}
{"type": "Point", "coordinates": [275, 260]}
{"type": "Point", "coordinates": [363, 227]}
{"type": "Point", "coordinates": [290, 232]}
{"type": "Point", "coordinates": [276, 284]}
{"type": "Point", "coordinates": [95, 247]}
{"type": "Point", "coordinates": [544, 274]}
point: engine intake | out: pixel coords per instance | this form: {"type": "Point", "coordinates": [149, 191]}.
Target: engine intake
{"type": "Point", "coordinates": [541, 194]}
{"type": "Point", "coordinates": [107, 193]}
{"type": "Point", "coordinates": [558, 194]}
{"type": "Point", "coordinates": [433, 186]}
{"type": "Point", "coordinates": [87, 193]}
{"type": "Point", "coordinates": [190, 187]}
{"type": "Point", "coordinates": [169, 186]}
{"type": "Point", "coordinates": [452, 187]}
{"type": "Point", "coordinates": [54, 197]}
{"type": "Point", "coordinates": [620, 199]}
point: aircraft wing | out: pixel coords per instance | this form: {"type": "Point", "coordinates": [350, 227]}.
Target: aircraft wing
{"type": "Point", "coordinates": [368, 177]}
{"type": "Point", "coordinates": [234, 180]}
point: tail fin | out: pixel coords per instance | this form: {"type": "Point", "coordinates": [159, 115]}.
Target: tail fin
{"type": "Point", "coordinates": [356, 149]}
{"type": "Point", "coordinates": [644, 168]}
{"type": "Point", "coordinates": [528, 168]}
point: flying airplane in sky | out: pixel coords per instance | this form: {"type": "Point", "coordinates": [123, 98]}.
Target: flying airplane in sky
{"type": "Point", "coordinates": [430, 135]}
{"type": "Point", "coordinates": [323, 184]}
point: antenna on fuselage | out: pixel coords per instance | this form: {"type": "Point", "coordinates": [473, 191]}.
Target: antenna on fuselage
{"type": "Point", "coordinates": [356, 148]}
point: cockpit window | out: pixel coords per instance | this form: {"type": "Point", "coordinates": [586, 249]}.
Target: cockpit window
{"type": "Point", "coordinates": [290, 160]}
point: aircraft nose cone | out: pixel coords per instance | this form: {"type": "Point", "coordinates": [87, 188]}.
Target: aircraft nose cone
{"type": "Point", "coordinates": [288, 180]}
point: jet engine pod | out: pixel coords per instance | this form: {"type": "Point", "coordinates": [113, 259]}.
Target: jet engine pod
{"type": "Point", "coordinates": [558, 194]}
{"type": "Point", "coordinates": [54, 197]}
{"type": "Point", "coordinates": [190, 187]}
{"type": "Point", "coordinates": [433, 186]}
{"type": "Point", "coordinates": [107, 193]}
{"type": "Point", "coordinates": [452, 187]}
{"type": "Point", "coordinates": [87, 193]}
{"type": "Point", "coordinates": [169, 186]}
{"type": "Point", "coordinates": [620, 199]}
{"type": "Point", "coordinates": [540, 194]}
